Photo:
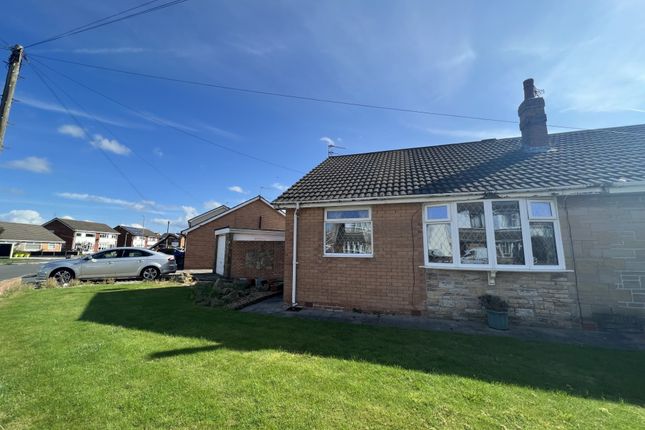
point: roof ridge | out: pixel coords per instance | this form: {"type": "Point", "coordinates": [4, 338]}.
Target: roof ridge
{"type": "Point", "coordinates": [410, 148]}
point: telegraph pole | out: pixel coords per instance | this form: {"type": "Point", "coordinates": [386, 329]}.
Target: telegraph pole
{"type": "Point", "coordinates": [15, 59]}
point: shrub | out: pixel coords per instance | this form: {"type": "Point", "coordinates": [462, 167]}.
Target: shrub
{"type": "Point", "coordinates": [493, 303]}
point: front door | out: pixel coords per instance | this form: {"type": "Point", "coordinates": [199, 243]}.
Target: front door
{"type": "Point", "coordinates": [221, 254]}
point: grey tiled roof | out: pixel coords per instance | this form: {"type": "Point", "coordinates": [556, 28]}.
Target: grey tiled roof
{"type": "Point", "coordinates": [138, 231]}
{"type": "Point", "coordinates": [85, 225]}
{"type": "Point", "coordinates": [26, 232]}
{"type": "Point", "coordinates": [578, 158]}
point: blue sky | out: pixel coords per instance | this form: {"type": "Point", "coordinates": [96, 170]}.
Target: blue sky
{"type": "Point", "coordinates": [462, 57]}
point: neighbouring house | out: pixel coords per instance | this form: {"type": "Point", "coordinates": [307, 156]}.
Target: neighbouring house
{"type": "Point", "coordinates": [136, 236]}
{"type": "Point", "coordinates": [246, 240]}
{"type": "Point", "coordinates": [27, 238]}
{"type": "Point", "coordinates": [552, 223]}
{"type": "Point", "coordinates": [83, 236]}
{"type": "Point", "coordinates": [169, 240]}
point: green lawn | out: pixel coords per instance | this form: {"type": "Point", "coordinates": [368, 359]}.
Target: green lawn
{"type": "Point", "coordinates": [139, 356]}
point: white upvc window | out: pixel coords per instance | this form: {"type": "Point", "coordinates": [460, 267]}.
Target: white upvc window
{"type": "Point", "coordinates": [509, 234]}
{"type": "Point", "coordinates": [348, 232]}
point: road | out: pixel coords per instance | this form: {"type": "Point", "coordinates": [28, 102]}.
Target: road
{"type": "Point", "coordinates": [8, 271]}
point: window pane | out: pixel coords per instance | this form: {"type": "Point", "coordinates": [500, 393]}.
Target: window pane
{"type": "Point", "coordinates": [472, 233]}
{"type": "Point", "coordinates": [362, 213]}
{"type": "Point", "coordinates": [439, 243]}
{"type": "Point", "coordinates": [348, 238]}
{"type": "Point", "coordinates": [437, 212]}
{"type": "Point", "coordinates": [543, 244]}
{"type": "Point", "coordinates": [541, 210]}
{"type": "Point", "coordinates": [508, 233]}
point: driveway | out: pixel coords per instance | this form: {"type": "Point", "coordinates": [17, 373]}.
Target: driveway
{"type": "Point", "coordinates": [8, 271]}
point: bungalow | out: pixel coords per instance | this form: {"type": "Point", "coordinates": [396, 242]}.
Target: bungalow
{"type": "Point", "coordinates": [136, 236]}
{"type": "Point", "coordinates": [29, 238]}
{"type": "Point", "coordinates": [83, 236]}
{"type": "Point", "coordinates": [246, 240]}
{"type": "Point", "coordinates": [552, 223]}
{"type": "Point", "coordinates": [169, 240]}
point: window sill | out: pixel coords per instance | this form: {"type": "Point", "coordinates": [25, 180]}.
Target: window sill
{"type": "Point", "coordinates": [498, 269]}
{"type": "Point", "coordinates": [349, 255]}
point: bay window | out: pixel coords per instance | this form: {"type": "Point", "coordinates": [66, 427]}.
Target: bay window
{"type": "Point", "coordinates": [348, 232]}
{"type": "Point", "coordinates": [513, 234]}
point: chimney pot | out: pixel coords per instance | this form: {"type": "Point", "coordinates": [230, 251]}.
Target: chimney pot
{"type": "Point", "coordinates": [529, 89]}
{"type": "Point", "coordinates": [535, 136]}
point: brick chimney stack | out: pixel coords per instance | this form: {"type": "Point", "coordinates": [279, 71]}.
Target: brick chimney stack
{"type": "Point", "coordinates": [533, 120]}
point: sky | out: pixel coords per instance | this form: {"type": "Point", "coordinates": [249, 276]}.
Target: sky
{"type": "Point", "coordinates": [178, 150]}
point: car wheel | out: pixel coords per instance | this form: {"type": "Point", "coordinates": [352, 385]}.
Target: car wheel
{"type": "Point", "coordinates": [62, 276]}
{"type": "Point", "coordinates": [150, 273]}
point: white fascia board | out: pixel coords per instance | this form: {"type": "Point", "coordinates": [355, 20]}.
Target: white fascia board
{"type": "Point", "coordinates": [633, 187]}
{"type": "Point", "coordinates": [247, 234]}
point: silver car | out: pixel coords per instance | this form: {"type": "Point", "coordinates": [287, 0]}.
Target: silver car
{"type": "Point", "coordinates": [117, 263]}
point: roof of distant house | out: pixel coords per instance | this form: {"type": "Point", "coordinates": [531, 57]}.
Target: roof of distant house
{"type": "Point", "coordinates": [26, 232]}
{"type": "Point", "coordinates": [573, 159]}
{"type": "Point", "coordinates": [138, 231]}
{"type": "Point", "coordinates": [84, 225]}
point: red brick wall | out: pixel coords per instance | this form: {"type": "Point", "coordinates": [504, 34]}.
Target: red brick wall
{"type": "Point", "coordinates": [200, 243]}
{"type": "Point", "coordinates": [390, 281]}
{"type": "Point", "coordinates": [62, 231]}
{"type": "Point", "coordinates": [240, 268]}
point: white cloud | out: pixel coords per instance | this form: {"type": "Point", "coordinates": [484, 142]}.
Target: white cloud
{"type": "Point", "coordinates": [211, 204]}
{"type": "Point", "coordinates": [466, 56]}
{"type": "Point", "coordinates": [237, 189]}
{"type": "Point", "coordinates": [26, 216]}
{"type": "Point", "coordinates": [72, 130]}
{"type": "Point", "coordinates": [328, 141]}
{"type": "Point", "coordinates": [67, 217]}
{"type": "Point", "coordinates": [109, 145]}
{"type": "Point", "coordinates": [158, 152]}
{"type": "Point", "coordinates": [142, 206]}
{"type": "Point", "coordinates": [50, 107]}
{"type": "Point", "coordinates": [279, 186]}
{"type": "Point", "coordinates": [181, 221]}
{"type": "Point", "coordinates": [135, 225]}
{"type": "Point", "coordinates": [31, 164]}
{"type": "Point", "coordinates": [221, 132]}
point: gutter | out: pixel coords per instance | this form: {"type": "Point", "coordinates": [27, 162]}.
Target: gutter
{"type": "Point", "coordinates": [294, 257]}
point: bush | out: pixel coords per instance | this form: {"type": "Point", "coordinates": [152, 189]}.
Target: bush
{"type": "Point", "coordinates": [493, 303]}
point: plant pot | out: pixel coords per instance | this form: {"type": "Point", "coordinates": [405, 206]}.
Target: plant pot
{"type": "Point", "coordinates": [497, 319]}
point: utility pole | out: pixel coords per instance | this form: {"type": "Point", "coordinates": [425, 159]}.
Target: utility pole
{"type": "Point", "coordinates": [15, 59]}
{"type": "Point", "coordinates": [168, 227]}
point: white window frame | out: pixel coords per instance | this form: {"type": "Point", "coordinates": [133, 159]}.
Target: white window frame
{"type": "Point", "coordinates": [525, 220]}
{"type": "Point", "coordinates": [348, 220]}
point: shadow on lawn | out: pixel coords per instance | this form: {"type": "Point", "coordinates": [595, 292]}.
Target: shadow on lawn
{"type": "Point", "coordinates": [581, 371]}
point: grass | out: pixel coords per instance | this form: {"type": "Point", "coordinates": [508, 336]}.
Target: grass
{"type": "Point", "coordinates": [119, 357]}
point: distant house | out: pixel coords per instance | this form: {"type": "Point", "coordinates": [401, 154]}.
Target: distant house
{"type": "Point", "coordinates": [136, 236]}
{"type": "Point", "coordinates": [83, 236]}
{"type": "Point", "coordinates": [169, 240]}
{"type": "Point", "coordinates": [31, 238]}
{"type": "Point", "coordinates": [554, 224]}
{"type": "Point", "coordinates": [246, 240]}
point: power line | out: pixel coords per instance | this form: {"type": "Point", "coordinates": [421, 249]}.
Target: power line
{"type": "Point", "coordinates": [179, 129]}
{"type": "Point", "coordinates": [114, 135]}
{"type": "Point", "coordinates": [80, 125]}
{"type": "Point", "coordinates": [107, 21]}
{"type": "Point", "coordinates": [276, 94]}
{"type": "Point", "coordinates": [314, 99]}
